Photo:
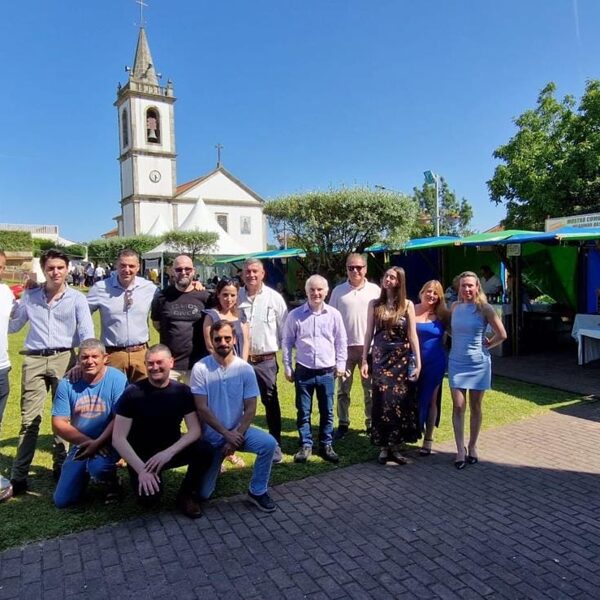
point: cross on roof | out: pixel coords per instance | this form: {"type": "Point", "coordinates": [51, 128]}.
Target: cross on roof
{"type": "Point", "coordinates": [142, 4]}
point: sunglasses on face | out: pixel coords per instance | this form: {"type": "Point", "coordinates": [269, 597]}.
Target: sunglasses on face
{"type": "Point", "coordinates": [184, 270]}
{"type": "Point", "coordinates": [223, 338]}
{"type": "Point", "coordinates": [355, 267]}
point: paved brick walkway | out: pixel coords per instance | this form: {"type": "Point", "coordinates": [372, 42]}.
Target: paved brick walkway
{"type": "Point", "coordinates": [525, 523]}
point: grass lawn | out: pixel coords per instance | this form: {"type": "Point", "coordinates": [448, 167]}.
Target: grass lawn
{"type": "Point", "coordinates": [33, 516]}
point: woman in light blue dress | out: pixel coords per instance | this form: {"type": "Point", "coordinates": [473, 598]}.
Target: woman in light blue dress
{"type": "Point", "coordinates": [469, 364]}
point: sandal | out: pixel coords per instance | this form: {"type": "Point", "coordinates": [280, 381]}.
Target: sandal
{"type": "Point", "coordinates": [236, 460]}
{"type": "Point", "coordinates": [425, 450]}
{"type": "Point", "coordinates": [398, 458]}
{"type": "Point", "coordinates": [384, 455]}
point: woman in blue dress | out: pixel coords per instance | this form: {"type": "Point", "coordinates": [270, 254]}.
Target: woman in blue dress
{"type": "Point", "coordinates": [431, 316]}
{"type": "Point", "coordinates": [469, 364]}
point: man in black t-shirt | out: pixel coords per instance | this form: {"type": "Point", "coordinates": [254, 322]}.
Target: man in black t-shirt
{"type": "Point", "coordinates": [147, 433]}
{"type": "Point", "coordinates": [177, 315]}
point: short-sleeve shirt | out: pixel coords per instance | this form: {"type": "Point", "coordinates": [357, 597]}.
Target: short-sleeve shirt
{"type": "Point", "coordinates": [90, 407]}
{"type": "Point", "coordinates": [181, 318]}
{"type": "Point", "coordinates": [156, 415]}
{"type": "Point", "coordinates": [226, 389]}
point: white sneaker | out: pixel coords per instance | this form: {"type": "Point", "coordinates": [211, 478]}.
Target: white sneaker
{"type": "Point", "coordinates": [277, 455]}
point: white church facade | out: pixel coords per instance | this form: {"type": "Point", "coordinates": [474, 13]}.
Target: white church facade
{"type": "Point", "coordinates": [151, 201]}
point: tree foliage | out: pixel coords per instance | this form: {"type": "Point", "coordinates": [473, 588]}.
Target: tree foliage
{"type": "Point", "coordinates": [551, 166]}
{"type": "Point", "coordinates": [106, 250]}
{"type": "Point", "coordinates": [195, 243]}
{"type": "Point", "coordinates": [455, 215]}
{"type": "Point", "coordinates": [74, 251]}
{"type": "Point", "coordinates": [328, 225]}
{"type": "Point", "coordinates": [15, 241]}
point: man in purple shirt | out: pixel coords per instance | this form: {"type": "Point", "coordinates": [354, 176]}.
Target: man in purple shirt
{"type": "Point", "coordinates": [317, 332]}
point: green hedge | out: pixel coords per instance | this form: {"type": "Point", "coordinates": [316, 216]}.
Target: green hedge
{"type": "Point", "coordinates": [16, 241]}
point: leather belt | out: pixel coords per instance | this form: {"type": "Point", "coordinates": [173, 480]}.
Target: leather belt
{"type": "Point", "coordinates": [325, 371]}
{"type": "Point", "coordinates": [258, 358]}
{"type": "Point", "coordinates": [46, 351]}
{"type": "Point", "coordinates": [135, 348]}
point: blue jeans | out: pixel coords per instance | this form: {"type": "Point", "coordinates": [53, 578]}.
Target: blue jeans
{"type": "Point", "coordinates": [75, 475]}
{"type": "Point", "coordinates": [4, 390]}
{"type": "Point", "coordinates": [257, 442]}
{"type": "Point", "coordinates": [307, 382]}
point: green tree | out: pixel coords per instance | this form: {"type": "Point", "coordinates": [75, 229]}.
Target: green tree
{"type": "Point", "coordinates": [551, 166]}
{"type": "Point", "coordinates": [106, 250]}
{"type": "Point", "coordinates": [328, 225]}
{"type": "Point", "coordinates": [455, 215]}
{"type": "Point", "coordinates": [41, 245]}
{"type": "Point", "coordinates": [195, 243]}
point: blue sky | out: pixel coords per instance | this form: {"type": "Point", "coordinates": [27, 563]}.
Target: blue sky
{"type": "Point", "coordinates": [302, 94]}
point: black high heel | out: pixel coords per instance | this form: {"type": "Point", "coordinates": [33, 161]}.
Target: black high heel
{"type": "Point", "coordinates": [461, 464]}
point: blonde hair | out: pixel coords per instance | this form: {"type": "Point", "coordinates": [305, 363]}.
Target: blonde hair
{"type": "Point", "coordinates": [388, 318]}
{"type": "Point", "coordinates": [441, 312]}
{"type": "Point", "coordinates": [480, 297]}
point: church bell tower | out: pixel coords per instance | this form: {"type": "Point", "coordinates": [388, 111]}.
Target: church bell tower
{"type": "Point", "coordinates": [146, 146]}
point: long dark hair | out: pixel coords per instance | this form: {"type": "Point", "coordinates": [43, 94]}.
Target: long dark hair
{"type": "Point", "coordinates": [383, 315]}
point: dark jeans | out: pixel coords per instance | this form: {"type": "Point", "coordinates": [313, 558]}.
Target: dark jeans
{"type": "Point", "coordinates": [198, 456]}
{"type": "Point", "coordinates": [266, 375]}
{"type": "Point", "coordinates": [308, 381]}
{"type": "Point", "coordinates": [4, 390]}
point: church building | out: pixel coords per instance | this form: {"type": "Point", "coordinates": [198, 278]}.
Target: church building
{"type": "Point", "coordinates": [151, 201]}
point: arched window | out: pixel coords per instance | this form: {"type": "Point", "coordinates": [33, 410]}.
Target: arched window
{"type": "Point", "coordinates": [152, 126]}
{"type": "Point", "coordinates": [125, 128]}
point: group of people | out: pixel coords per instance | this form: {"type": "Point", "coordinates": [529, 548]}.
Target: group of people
{"type": "Point", "coordinates": [119, 398]}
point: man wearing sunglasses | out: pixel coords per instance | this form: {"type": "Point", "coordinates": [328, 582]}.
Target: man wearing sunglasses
{"type": "Point", "coordinates": [225, 391]}
{"type": "Point", "coordinates": [352, 299]}
{"type": "Point", "coordinates": [124, 302]}
{"type": "Point", "coordinates": [178, 317]}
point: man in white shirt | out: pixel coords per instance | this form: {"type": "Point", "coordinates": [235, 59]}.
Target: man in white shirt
{"type": "Point", "coordinates": [352, 299]}
{"type": "Point", "coordinates": [490, 282]}
{"type": "Point", "coordinates": [6, 304]}
{"type": "Point", "coordinates": [265, 311]}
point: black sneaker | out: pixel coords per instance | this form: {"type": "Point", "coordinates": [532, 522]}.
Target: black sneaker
{"type": "Point", "coordinates": [19, 486]}
{"type": "Point", "coordinates": [262, 502]}
{"type": "Point", "coordinates": [303, 454]}
{"type": "Point", "coordinates": [340, 432]}
{"type": "Point", "coordinates": [328, 453]}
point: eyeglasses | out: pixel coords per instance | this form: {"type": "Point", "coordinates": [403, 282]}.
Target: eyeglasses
{"type": "Point", "coordinates": [184, 269]}
{"type": "Point", "coordinates": [355, 267]}
{"type": "Point", "coordinates": [223, 338]}
{"type": "Point", "coordinates": [128, 299]}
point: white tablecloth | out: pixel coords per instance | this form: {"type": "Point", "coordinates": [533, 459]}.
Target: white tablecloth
{"type": "Point", "coordinates": [586, 330]}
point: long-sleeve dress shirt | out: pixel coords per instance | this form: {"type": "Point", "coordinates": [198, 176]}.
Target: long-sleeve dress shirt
{"type": "Point", "coordinates": [64, 323]}
{"type": "Point", "coordinates": [319, 338]}
{"type": "Point", "coordinates": [123, 312]}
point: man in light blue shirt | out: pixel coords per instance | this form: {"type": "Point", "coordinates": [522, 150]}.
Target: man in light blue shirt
{"type": "Point", "coordinates": [83, 414]}
{"type": "Point", "coordinates": [317, 332]}
{"type": "Point", "coordinates": [225, 390]}
{"type": "Point", "coordinates": [124, 301]}
{"type": "Point", "coordinates": [59, 319]}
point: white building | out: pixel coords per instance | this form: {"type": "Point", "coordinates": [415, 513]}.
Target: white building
{"type": "Point", "coordinates": [151, 200]}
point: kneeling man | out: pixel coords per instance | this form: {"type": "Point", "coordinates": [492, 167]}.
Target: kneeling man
{"type": "Point", "coordinates": [82, 414]}
{"type": "Point", "coordinates": [225, 390]}
{"type": "Point", "coordinates": [147, 434]}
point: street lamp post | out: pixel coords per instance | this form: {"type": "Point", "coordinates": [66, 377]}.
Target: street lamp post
{"type": "Point", "coordinates": [432, 179]}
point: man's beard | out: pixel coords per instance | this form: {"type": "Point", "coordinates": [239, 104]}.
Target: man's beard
{"type": "Point", "coordinates": [183, 283]}
{"type": "Point", "coordinates": [224, 352]}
